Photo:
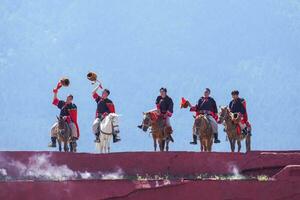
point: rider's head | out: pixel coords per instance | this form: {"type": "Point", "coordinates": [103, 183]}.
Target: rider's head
{"type": "Point", "coordinates": [163, 92]}
{"type": "Point", "coordinates": [105, 93]}
{"type": "Point", "coordinates": [235, 94]}
{"type": "Point", "coordinates": [69, 98]}
{"type": "Point", "coordinates": [206, 92]}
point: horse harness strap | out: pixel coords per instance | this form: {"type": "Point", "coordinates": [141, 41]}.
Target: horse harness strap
{"type": "Point", "coordinates": [105, 133]}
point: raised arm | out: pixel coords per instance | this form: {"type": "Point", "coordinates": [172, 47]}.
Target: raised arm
{"type": "Point", "coordinates": [94, 92]}
{"type": "Point", "coordinates": [55, 91]}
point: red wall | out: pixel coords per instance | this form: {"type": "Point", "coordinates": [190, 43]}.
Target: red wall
{"type": "Point", "coordinates": [286, 184]}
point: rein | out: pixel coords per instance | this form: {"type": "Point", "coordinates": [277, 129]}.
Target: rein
{"type": "Point", "coordinates": [105, 133]}
{"type": "Point", "coordinates": [112, 127]}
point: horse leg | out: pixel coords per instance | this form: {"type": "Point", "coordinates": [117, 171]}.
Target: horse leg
{"type": "Point", "coordinates": [239, 145]}
{"type": "Point", "coordinates": [248, 143]}
{"type": "Point", "coordinates": [232, 147]}
{"type": "Point", "coordinates": [71, 146]}
{"type": "Point", "coordinates": [210, 145]}
{"type": "Point", "coordinates": [167, 146]}
{"type": "Point", "coordinates": [154, 143]}
{"type": "Point", "coordinates": [160, 142]}
{"type": "Point", "coordinates": [201, 145]}
{"type": "Point", "coordinates": [59, 145]}
{"type": "Point", "coordinates": [101, 144]}
{"type": "Point", "coordinates": [66, 148]}
{"type": "Point", "coordinates": [107, 147]}
{"type": "Point", "coordinates": [74, 145]}
{"type": "Point", "coordinates": [206, 145]}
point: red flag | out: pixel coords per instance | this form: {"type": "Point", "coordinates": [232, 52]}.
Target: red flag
{"type": "Point", "coordinates": [184, 103]}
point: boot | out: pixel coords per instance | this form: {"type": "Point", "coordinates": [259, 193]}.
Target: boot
{"type": "Point", "coordinates": [116, 138]}
{"type": "Point", "coordinates": [97, 140]}
{"type": "Point", "coordinates": [171, 138]}
{"type": "Point", "coordinates": [194, 139]}
{"type": "Point", "coordinates": [216, 139]}
{"type": "Point", "coordinates": [52, 143]}
{"type": "Point", "coordinates": [140, 126]}
{"type": "Point", "coordinates": [245, 131]}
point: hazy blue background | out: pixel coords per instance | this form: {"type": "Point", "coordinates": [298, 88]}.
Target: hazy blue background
{"type": "Point", "coordinates": [138, 46]}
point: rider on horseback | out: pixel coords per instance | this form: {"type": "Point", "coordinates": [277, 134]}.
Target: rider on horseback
{"type": "Point", "coordinates": [238, 106]}
{"type": "Point", "coordinates": [68, 111]}
{"type": "Point", "coordinates": [164, 108]}
{"type": "Point", "coordinates": [104, 107]}
{"type": "Point", "coordinates": [207, 105]}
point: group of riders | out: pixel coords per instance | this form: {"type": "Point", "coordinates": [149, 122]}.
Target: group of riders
{"type": "Point", "coordinates": [206, 105]}
{"type": "Point", "coordinates": [68, 111]}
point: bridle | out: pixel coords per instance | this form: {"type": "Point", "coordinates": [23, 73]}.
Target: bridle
{"type": "Point", "coordinates": [113, 129]}
{"type": "Point", "coordinates": [62, 122]}
{"type": "Point", "coordinates": [146, 121]}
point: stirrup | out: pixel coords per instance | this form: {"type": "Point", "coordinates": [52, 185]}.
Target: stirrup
{"type": "Point", "coordinates": [53, 145]}
{"type": "Point", "coordinates": [140, 126]}
{"type": "Point", "coordinates": [97, 140]}
{"type": "Point", "coordinates": [217, 141]}
{"type": "Point", "coordinates": [170, 138]}
{"type": "Point", "coordinates": [115, 140]}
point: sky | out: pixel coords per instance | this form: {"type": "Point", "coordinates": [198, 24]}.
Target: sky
{"type": "Point", "coordinates": [136, 47]}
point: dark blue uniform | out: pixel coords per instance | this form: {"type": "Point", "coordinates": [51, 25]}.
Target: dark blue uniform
{"type": "Point", "coordinates": [104, 106]}
{"type": "Point", "coordinates": [164, 104]}
{"type": "Point", "coordinates": [237, 106]}
{"type": "Point", "coordinates": [65, 108]}
{"type": "Point", "coordinates": [206, 104]}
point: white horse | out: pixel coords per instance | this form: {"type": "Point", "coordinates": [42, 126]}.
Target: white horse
{"type": "Point", "coordinates": [108, 126]}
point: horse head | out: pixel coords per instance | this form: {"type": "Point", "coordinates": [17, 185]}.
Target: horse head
{"type": "Point", "coordinates": [223, 114]}
{"type": "Point", "coordinates": [201, 122]}
{"type": "Point", "coordinates": [62, 124]}
{"type": "Point", "coordinates": [146, 121]}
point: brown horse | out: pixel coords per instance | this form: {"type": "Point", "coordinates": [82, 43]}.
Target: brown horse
{"type": "Point", "coordinates": [231, 122]}
{"type": "Point", "coordinates": [160, 132]}
{"type": "Point", "coordinates": [203, 129]}
{"type": "Point", "coordinates": [64, 135]}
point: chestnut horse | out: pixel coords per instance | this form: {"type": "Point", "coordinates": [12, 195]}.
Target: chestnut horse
{"type": "Point", "coordinates": [202, 128]}
{"type": "Point", "coordinates": [231, 123]}
{"type": "Point", "coordinates": [160, 132]}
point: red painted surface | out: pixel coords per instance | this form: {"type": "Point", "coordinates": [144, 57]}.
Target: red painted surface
{"type": "Point", "coordinates": [283, 166]}
{"type": "Point", "coordinates": [96, 190]}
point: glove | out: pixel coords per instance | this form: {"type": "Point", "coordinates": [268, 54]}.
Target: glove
{"type": "Point", "coordinates": [104, 114]}
{"type": "Point", "coordinates": [169, 114]}
{"type": "Point", "coordinates": [59, 85]}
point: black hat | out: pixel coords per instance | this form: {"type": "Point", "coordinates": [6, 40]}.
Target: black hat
{"type": "Point", "coordinates": [207, 89]}
{"type": "Point", "coordinates": [163, 89]}
{"type": "Point", "coordinates": [107, 91]}
{"type": "Point", "coordinates": [235, 92]}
